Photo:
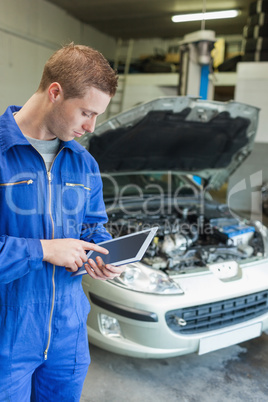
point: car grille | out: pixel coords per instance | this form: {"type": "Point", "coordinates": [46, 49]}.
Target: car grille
{"type": "Point", "coordinates": [212, 316]}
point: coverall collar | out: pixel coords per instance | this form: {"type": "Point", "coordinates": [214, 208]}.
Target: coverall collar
{"type": "Point", "coordinates": [12, 135]}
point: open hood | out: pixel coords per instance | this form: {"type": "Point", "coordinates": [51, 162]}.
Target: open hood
{"type": "Point", "coordinates": [191, 136]}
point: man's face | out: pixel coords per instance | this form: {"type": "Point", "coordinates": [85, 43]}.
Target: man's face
{"type": "Point", "coordinates": [74, 117]}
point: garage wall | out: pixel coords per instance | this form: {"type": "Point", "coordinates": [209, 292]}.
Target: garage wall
{"type": "Point", "coordinates": [30, 31]}
{"type": "Point", "coordinates": [252, 88]}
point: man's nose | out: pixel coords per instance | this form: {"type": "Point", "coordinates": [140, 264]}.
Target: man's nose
{"type": "Point", "coordinates": [89, 125]}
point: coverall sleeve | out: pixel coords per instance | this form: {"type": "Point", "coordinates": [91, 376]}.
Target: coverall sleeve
{"type": "Point", "coordinates": [93, 229]}
{"type": "Point", "coordinates": [18, 256]}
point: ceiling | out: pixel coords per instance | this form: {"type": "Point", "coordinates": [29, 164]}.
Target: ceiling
{"type": "Point", "coordinates": [140, 19]}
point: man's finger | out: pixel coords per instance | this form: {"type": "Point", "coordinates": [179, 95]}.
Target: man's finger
{"type": "Point", "coordinates": [114, 269]}
{"type": "Point", "coordinates": [94, 247]}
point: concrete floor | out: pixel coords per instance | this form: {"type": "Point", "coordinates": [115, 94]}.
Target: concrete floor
{"type": "Point", "coordinates": [238, 373]}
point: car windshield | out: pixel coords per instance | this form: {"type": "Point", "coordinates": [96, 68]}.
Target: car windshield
{"type": "Point", "coordinates": [148, 183]}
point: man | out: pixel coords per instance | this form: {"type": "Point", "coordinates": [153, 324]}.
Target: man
{"type": "Point", "coordinates": [52, 213]}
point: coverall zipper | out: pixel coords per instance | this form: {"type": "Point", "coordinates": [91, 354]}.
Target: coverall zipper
{"type": "Point", "coordinates": [17, 182]}
{"type": "Point", "coordinates": [54, 268]}
{"type": "Point", "coordinates": [53, 272]}
{"type": "Point", "coordinates": [77, 185]}
{"type": "Point", "coordinates": [52, 237]}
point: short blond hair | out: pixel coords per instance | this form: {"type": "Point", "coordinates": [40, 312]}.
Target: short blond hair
{"type": "Point", "coordinates": [77, 68]}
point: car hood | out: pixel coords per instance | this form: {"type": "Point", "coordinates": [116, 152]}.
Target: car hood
{"type": "Point", "coordinates": [204, 138]}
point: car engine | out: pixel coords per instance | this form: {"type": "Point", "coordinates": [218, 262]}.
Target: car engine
{"type": "Point", "coordinates": [188, 238]}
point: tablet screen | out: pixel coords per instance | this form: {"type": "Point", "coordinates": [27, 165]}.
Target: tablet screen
{"type": "Point", "coordinates": [124, 249]}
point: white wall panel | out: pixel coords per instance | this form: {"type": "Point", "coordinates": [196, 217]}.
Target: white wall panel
{"type": "Point", "coordinates": [146, 87]}
{"type": "Point", "coordinates": [103, 43]}
{"type": "Point", "coordinates": [19, 75]}
{"type": "Point", "coordinates": [56, 25]}
{"type": "Point", "coordinates": [252, 88]}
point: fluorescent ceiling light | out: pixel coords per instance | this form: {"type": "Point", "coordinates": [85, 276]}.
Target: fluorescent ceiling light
{"type": "Point", "coordinates": [205, 16]}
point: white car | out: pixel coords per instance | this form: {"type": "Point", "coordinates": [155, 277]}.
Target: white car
{"type": "Point", "coordinates": [203, 282]}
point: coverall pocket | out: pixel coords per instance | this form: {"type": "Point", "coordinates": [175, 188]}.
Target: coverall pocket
{"type": "Point", "coordinates": [20, 194]}
{"type": "Point", "coordinates": [75, 195]}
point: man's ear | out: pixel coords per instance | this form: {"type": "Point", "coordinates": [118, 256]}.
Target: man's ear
{"type": "Point", "coordinates": [55, 92]}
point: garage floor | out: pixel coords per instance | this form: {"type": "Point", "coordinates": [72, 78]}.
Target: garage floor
{"type": "Point", "coordinates": [237, 373]}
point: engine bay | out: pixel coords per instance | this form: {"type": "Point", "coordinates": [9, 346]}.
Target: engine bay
{"type": "Point", "coordinates": [189, 238]}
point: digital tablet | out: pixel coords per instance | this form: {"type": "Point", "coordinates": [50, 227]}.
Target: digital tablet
{"type": "Point", "coordinates": [123, 250]}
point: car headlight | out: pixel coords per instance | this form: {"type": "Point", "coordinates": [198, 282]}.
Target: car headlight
{"type": "Point", "coordinates": [143, 279]}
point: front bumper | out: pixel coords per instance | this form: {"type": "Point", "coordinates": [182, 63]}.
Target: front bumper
{"type": "Point", "coordinates": [142, 318]}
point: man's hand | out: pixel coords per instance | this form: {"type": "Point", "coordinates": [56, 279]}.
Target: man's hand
{"type": "Point", "coordinates": [98, 270]}
{"type": "Point", "coordinates": [71, 254]}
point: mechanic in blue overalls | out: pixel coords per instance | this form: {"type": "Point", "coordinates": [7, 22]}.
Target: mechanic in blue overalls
{"type": "Point", "coordinates": [52, 213]}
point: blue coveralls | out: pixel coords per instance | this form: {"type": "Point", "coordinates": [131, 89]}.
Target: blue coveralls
{"type": "Point", "coordinates": [43, 310]}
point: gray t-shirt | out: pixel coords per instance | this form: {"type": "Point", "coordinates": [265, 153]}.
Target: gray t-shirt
{"type": "Point", "coordinates": [48, 149]}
